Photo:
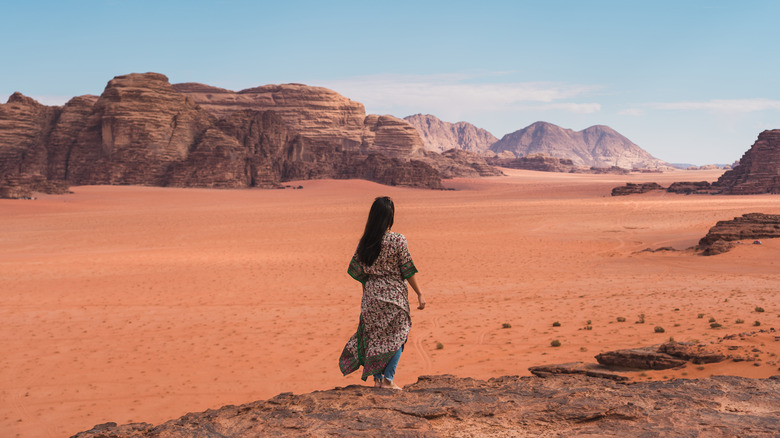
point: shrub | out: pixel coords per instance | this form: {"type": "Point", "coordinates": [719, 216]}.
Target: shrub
{"type": "Point", "coordinates": [556, 324]}
{"type": "Point", "coordinates": [555, 343]}
{"type": "Point", "coordinates": [757, 323]}
{"type": "Point", "coordinates": [439, 346]}
{"type": "Point", "coordinates": [739, 321]}
{"type": "Point", "coordinates": [759, 309]}
{"type": "Point", "coordinates": [506, 325]}
{"type": "Point", "coordinates": [712, 319]}
{"type": "Point", "coordinates": [700, 315]}
{"type": "Point", "coordinates": [659, 329]}
{"type": "Point", "coordinates": [715, 325]}
{"type": "Point", "coordinates": [621, 319]}
{"type": "Point", "coordinates": [641, 319]}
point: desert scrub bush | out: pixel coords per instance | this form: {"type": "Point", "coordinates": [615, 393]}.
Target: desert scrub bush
{"type": "Point", "coordinates": [555, 343]}
{"type": "Point", "coordinates": [621, 319]}
{"type": "Point", "coordinates": [739, 321]}
{"type": "Point", "coordinates": [641, 319]}
{"type": "Point", "coordinates": [556, 324]}
{"type": "Point", "coordinates": [439, 346]}
{"type": "Point", "coordinates": [712, 319]}
{"type": "Point", "coordinates": [658, 329]}
{"type": "Point", "coordinates": [756, 323]}
{"type": "Point", "coordinates": [700, 315]}
{"type": "Point", "coordinates": [506, 325]}
{"type": "Point", "coordinates": [759, 309]}
{"type": "Point", "coordinates": [715, 325]}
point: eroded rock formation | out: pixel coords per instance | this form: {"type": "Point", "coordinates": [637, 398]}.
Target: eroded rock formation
{"type": "Point", "coordinates": [507, 406]}
{"type": "Point", "coordinates": [749, 226]}
{"type": "Point", "coordinates": [546, 163]}
{"type": "Point", "coordinates": [441, 136]}
{"type": "Point", "coordinates": [143, 130]}
{"type": "Point", "coordinates": [633, 188]}
{"type": "Point", "coordinates": [758, 170]}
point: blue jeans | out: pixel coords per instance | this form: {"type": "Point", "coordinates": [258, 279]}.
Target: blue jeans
{"type": "Point", "coordinates": [389, 372]}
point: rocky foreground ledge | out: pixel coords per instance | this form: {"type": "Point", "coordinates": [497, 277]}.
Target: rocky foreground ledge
{"type": "Point", "coordinates": [561, 405]}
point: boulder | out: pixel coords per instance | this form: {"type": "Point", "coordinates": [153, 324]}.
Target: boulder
{"type": "Point", "coordinates": [647, 358]}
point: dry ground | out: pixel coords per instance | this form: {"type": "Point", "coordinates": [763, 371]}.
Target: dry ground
{"type": "Point", "coordinates": [141, 304]}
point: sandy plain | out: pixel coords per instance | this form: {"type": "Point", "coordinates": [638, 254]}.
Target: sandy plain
{"type": "Point", "coordinates": [140, 304]}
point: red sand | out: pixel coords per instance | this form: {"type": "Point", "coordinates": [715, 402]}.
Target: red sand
{"type": "Point", "coordinates": [132, 304]}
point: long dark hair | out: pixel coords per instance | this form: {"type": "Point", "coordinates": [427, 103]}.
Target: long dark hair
{"type": "Point", "coordinates": [380, 219]}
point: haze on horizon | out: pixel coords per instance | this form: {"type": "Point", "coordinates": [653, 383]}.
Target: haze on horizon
{"type": "Point", "coordinates": [692, 82]}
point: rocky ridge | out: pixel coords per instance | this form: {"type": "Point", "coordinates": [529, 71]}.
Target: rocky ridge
{"type": "Point", "coordinates": [597, 146]}
{"type": "Point", "coordinates": [507, 406]}
{"type": "Point", "coordinates": [559, 400]}
{"type": "Point", "coordinates": [441, 136]}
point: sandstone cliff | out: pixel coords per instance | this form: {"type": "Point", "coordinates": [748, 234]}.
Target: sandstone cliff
{"type": "Point", "coordinates": [758, 170]}
{"type": "Point", "coordinates": [440, 136]}
{"type": "Point", "coordinates": [597, 146]}
{"type": "Point", "coordinates": [143, 130]}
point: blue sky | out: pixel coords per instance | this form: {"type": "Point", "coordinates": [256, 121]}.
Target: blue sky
{"type": "Point", "coordinates": [689, 81]}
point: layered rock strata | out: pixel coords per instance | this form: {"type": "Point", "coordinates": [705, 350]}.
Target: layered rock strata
{"type": "Point", "coordinates": [758, 170]}
{"type": "Point", "coordinates": [749, 226]}
{"type": "Point", "coordinates": [507, 406]}
{"type": "Point", "coordinates": [142, 130]}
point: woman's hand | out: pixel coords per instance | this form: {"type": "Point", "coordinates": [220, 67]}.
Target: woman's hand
{"type": "Point", "coordinates": [420, 302]}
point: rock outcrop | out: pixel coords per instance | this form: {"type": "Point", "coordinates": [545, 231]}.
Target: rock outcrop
{"type": "Point", "coordinates": [25, 125]}
{"type": "Point", "coordinates": [440, 136]}
{"type": "Point", "coordinates": [546, 163]}
{"type": "Point", "coordinates": [758, 170]}
{"type": "Point", "coordinates": [633, 189]}
{"type": "Point", "coordinates": [458, 163]}
{"type": "Point", "coordinates": [749, 226]}
{"type": "Point", "coordinates": [507, 406]}
{"type": "Point", "coordinates": [137, 129]}
{"type": "Point", "coordinates": [597, 146]}
{"type": "Point", "coordinates": [691, 188]}
{"type": "Point", "coordinates": [143, 130]}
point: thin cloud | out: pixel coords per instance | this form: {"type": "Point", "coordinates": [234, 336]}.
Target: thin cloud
{"type": "Point", "coordinates": [443, 92]}
{"type": "Point", "coordinates": [722, 105]}
{"type": "Point", "coordinates": [577, 108]}
{"type": "Point", "coordinates": [636, 112]}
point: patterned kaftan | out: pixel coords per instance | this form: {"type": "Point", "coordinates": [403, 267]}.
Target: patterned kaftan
{"type": "Point", "coordinates": [384, 311]}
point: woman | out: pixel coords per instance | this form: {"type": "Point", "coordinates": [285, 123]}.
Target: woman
{"type": "Point", "coordinates": [383, 265]}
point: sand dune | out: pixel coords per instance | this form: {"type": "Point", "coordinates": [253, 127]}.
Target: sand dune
{"type": "Point", "coordinates": [141, 304]}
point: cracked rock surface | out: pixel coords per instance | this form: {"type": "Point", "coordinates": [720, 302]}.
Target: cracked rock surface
{"type": "Point", "coordinates": [446, 405]}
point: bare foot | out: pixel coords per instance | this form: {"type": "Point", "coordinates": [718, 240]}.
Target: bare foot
{"type": "Point", "coordinates": [389, 384]}
{"type": "Point", "coordinates": [377, 383]}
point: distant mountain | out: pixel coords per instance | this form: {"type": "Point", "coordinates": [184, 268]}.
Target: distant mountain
{"type": "Point", "coordinates": [440, 136]}
{"type": "Point", "coordinates": [597, 146]}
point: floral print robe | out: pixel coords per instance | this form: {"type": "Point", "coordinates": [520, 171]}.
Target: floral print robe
{"type": "Point", "coordinates": [384, 311]}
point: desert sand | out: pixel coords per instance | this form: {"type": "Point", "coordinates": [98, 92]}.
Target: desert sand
{"type": "Point", "coordinates": [140, 304]}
